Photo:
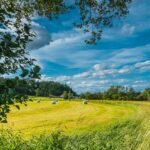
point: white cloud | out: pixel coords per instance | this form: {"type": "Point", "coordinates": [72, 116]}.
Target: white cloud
{"type": "Point", "coordinates": [111, 70]}
{"type": "Point", "coordinates": [142, 64]}
{"type": "Point", "coordinates": [98, 67]}
{"type": "Point", "coordinates": [46, 78]}
{"type": "Point", "coordinates": [82, 75]}
{"type": "Point", "coordinates": [63, 78]}
{"type": "Point", "coordinates": [60, 42]}
{"type": "Point", "coordinates": [129, 55]}
{"type": "Point", "coordinates": [100, 77]}
{"type": "Point", "coordinates": [124, 70]}
{"type": "Point", "coordinates": [127, 29]}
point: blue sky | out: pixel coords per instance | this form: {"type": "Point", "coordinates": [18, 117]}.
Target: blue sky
{"type": "Point", "coordinates": [122, 57]}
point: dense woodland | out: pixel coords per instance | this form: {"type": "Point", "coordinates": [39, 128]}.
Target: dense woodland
{"type": "Point", "coordinates": [36, 88]}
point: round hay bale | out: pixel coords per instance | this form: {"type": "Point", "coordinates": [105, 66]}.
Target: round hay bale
{"type": "Point", "coordinates": [85, 102]}
{"type": "Point", "coordinates": [54, 102]}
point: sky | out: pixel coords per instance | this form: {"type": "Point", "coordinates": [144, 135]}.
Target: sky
{"type": "Point", "coordinates": [121, 57]}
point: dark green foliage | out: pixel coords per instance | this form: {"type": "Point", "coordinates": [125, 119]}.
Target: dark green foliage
{"type": "Point", "coordinates": [34, 88]}
{"type": "Point", "coordinates": [118, 93]}
{"type": "Point", "coordinates": [15, 25]}
{"type": "Point", "coordinates": [9, 95]}
{"type": "Point", "coordinates": [145, 95]}
{"type": "Point", "coordinates": [90, 96]}
{"type": "Point", "coordinates": [96, 14]}
{"type": "Point", "coordinates": [51, 88]}
{"type": "Point", "coordinates": [19, 86]}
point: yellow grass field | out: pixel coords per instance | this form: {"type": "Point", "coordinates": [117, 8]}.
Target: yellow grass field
{"type": "Point", "coordinates": [71, 117]}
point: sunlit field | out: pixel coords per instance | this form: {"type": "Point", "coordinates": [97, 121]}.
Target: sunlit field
{"type": "Point", "coordinates": [72, 125]}
{"type": "Point", "coordinates": [67, 116]}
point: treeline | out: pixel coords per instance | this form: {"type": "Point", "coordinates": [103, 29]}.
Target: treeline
{"type": "Point", "coordinates": [56, 89]}
{"type": "Point", "coordinates": [118, 93]}
{"type": "Point", "coordinates": [35, 88]}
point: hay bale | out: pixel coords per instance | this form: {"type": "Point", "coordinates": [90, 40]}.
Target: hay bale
{"type": "Point", "coordinates": [38, 101]}
{"type": "Point", "coordinates": [54, 102]}
{"type": "Point", "coordinates": [85, 102]}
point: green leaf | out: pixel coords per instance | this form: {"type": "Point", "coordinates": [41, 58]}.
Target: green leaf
{"type": "Point", "coordinates": [25, 72]}
{"type": "Point", "coordinates": [36, 69]}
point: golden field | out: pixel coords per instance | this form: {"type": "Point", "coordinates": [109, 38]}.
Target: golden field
{"type": "Point", "coordinates": [71, 117]}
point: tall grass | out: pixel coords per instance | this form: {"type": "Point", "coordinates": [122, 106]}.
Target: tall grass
{"type": "Point", "coordinates": [126, 135]}
{"type": "Point", "coordinates": [132, 133]}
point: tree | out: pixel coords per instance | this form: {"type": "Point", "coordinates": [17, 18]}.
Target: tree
{"type": "Point", "coordinates": [132, 94]}
{"type": "Point", "coordinates": [15, 33]}
{"type": "Point", "coordinates": [145, 95]}
{"type": "Point", "coordinates": [65, 95]}
{"type": "Point", "coordinates": [90, 96]}
{"type": "Point", "coordinates": [118, 93]}
{"type": "Point", "coordinates": [70, 95]}
{"type": "Point", "coordinates": [48, 88]}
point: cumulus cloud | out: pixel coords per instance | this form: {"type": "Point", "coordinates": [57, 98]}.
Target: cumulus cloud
{"type": "Point", "coordinates": [82, 75]}
{"type": "Point", "coordinates": [100, 77]}
{"type": "Point", "coordinates": [98, 67]}
{"type": "Point", "coordinates": [101, 70]}
{"type": "Point", "coordinates": [93, 84]}
{"type": "Point", "coordinates": [65, 50]}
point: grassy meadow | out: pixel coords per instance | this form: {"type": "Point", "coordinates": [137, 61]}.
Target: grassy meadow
{"type": "Point", "coordinates": [70, 117]}
{"type": "Point", "coordinates": [104, 125]}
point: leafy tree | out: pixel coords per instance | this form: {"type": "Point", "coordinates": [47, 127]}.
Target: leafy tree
{"type": "Point", "coordinates": [8, 95]}
{"type": "Point", "coordinates": [132, 94]}
{"type": "Point", "coordinates": [145, 95]}
{"type": "Point", "coordinates": [48, 88]}
{"type": "Point", "coordinates": [118, 93]}
{"type": "Point", "coordinates": [70, 95]}
{"type": "Point", "coordinates": [90, 96]}
{"type": "Point", "coordinates": [15, 33]}
{"type": "Point", "coordinates": [65, 95]}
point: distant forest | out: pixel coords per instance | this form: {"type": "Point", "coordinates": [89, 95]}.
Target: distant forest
{"type": "Point", "coordinates": [35, 88]}
{"type": "Point", "coordinates": [56, 89]}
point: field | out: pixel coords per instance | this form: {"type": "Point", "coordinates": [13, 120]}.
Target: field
{"type": "Point", "coordinates": [125, 123]}
{"type": "Point", "coordinates": [70, 117]}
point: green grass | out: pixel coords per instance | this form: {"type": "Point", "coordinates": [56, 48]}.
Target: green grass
{"type": "Point", "coordinates": [109, 125]}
